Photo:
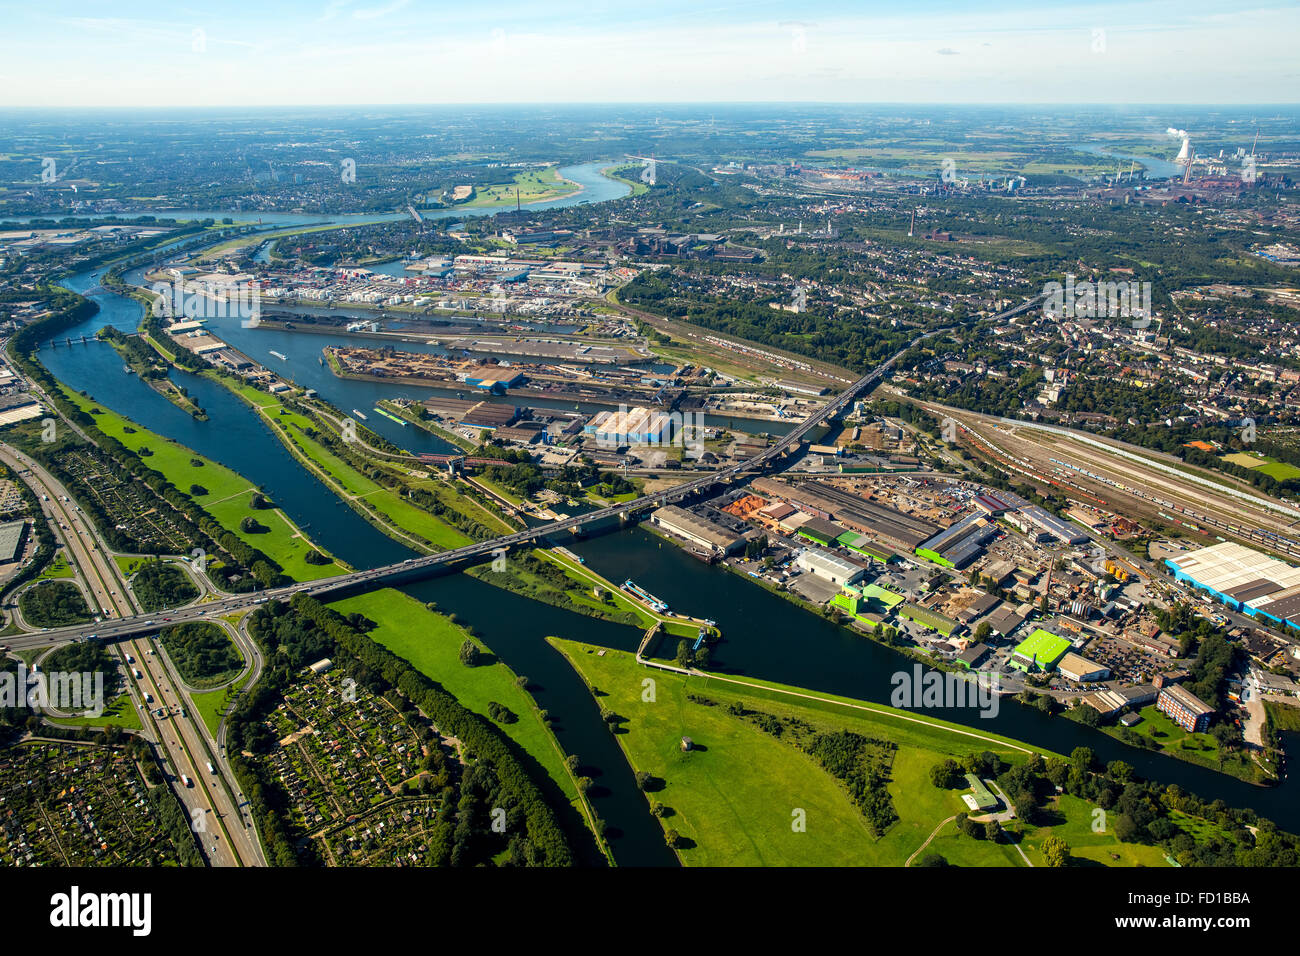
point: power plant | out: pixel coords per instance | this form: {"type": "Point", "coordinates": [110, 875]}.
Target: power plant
{"type": "Point", "coordinates": [1186, 154]}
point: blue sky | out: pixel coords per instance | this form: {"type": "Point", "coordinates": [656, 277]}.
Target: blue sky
{"type": "Point", "coordinates": [343, 52]}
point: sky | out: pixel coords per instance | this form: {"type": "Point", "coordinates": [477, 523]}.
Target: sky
{"type": "Point", "coordinates": [127, 53]}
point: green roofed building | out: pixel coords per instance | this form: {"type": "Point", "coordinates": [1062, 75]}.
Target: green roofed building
{"type": "Point", "coordinates": [865, 546]}
{"type": "Point", "coordinates": [1039, 651]}
{"type": "Point", "coordinates": [980, 797]}
{"type": "Point", "coordinates": [931, 620]}
{"type": "Point", "coordinates": [869, 605]}
{"type": "Point", "coordinates": [822, 532]}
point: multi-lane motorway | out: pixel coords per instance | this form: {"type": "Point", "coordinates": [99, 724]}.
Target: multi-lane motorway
{"type": "Point", "coordinates": [211, 798]}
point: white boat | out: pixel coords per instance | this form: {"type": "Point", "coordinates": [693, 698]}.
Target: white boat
{"type": "Point", "coordinates": [360, 415]}
{"type": "Point", "coordinates": [281, 356]}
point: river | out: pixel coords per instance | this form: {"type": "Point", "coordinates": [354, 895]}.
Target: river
{"type": "Point", "coordinates": [765, 636]}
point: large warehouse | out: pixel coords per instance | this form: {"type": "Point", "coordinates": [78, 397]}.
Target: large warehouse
{"type": "Point", "coordinates": [960, 544]}
{"type": "Point", "coordinates": [889, 525]}
{"type": "Point", "coordinates": [1040, 651]}
{"type": "Point", "coordinates": [631, 426]}
{"type": "Point", "coordinates": [829, 566]}
{"type": "Point", "coordinates": [699, 530]}
{"type": "Point", "coordinates": [1243, 579]}
{"type": "Point", "coordinates": [11, 539]}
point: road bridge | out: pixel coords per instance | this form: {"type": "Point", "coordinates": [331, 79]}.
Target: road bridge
{"type": "Point", "coordinates": [413, 568]}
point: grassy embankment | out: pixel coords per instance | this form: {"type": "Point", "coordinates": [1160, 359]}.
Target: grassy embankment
{"type": "Point", "coordinates": [58, 568]}
{"type": "Point", "coordinates": [119, 713]}
{"type": "Point", "coordinates": [630, 174]}
{"type": "Point", "coordinates": [163, 386]}
{"type": "Point", "coordinates": [674, 624]}
{"type": "Point", "coordinates": [381, 506]}
{"type": "Point", "coordinates": [428, 425]}
{"type": "Point", "coordinates": [733, 796]}
{"type": "Point", "coordinates": [229, 494]}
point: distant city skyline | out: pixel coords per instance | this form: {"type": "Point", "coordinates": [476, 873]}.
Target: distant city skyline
{"type": "Point", "coordinates": [363, 52]}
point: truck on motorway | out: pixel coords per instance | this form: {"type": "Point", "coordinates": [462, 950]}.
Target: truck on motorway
{"type": "Point", "coordinates": [136, 672]}
{"type": "Point", "coordinates": [186, 780]}
{"type": "Point", "coordinates": [148, 698]}
{"type": "Point", "coordinates": [211, 769]}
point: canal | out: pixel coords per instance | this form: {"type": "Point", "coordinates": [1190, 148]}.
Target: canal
{"type": "Point", "coordinates": [765, 635]}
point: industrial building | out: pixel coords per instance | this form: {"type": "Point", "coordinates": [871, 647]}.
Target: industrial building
{"type": "Point", "coordinates": [1000, 502]}
{"type": "Point", "coordinates": [822, 532]}
{"type": "Point", "coordinates": [960, 544]}
{"type": "Point", "coordinates": [1184, 708]}
{"type": "Point", "coordinates": [869, 605]}
{"type": "Point", "coordinates": [1041, 650]}
{"type": "Point", "coordinates": [829, 566]}
{"type": "Point", "coordinates": [631, 426]}
{"type": "Point", "coordinates": [1005, 620]}
{"type": "Point", "coordinates": [497, 380]}
{"type": "Point", "coordinates": [11, 540]}
{"type": "Point", "coordinates": [859, 544]}
{"type": "Point", "coordinates": [1080, 669]}
{"type": "Point", "coordinates": [1047, 525]}
{"type": "Point", "coordinates": [929, 619]}
{"type": "Point", "coordinates": [479, 414]}
{"type": "Point", "coordinates": [698, 530]}
{"type": "Point", "coordinates": [1243, 579]}
{"type": "Point", "coordinates": [888, 525]}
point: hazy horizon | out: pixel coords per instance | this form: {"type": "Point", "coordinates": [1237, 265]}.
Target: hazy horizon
{"type": "Point", "coordinates": [333, 53]}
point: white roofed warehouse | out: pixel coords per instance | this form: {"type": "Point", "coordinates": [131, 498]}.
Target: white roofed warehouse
{"type": "Point", "coordinates": [829, 566]}
{"type": "Point", "coordinates": [1244, 579]}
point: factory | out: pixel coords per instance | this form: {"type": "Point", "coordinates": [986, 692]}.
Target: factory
{"type": "Point", "coordinates": [829, 567]}
{"type": "Point", "coordinates": [888, 525]}
{"type": "Point", "coordinates": [1042, 650]}
{"type": "Point", "coordinates": [631, 426]}
{"type": "Point", "coordinates": [1244, 579]}
{"type": "Point", "coordinates": [960, 544]}
{"type": "Point", "coordinates": [698, 530]}
{"type": "Point", "coordinates": [480, 414]}
{"type": "Point", "coordinates": [1032, 519]}
{"type": "Point", "coordinates": [870, 605]}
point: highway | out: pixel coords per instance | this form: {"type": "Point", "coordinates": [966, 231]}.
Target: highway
{"type": "Point", "coordinates": [211, 802]}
